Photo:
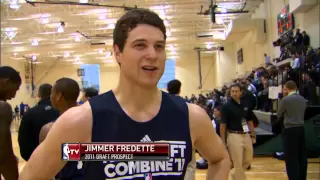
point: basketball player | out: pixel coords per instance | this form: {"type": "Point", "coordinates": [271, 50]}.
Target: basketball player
{"type": "Point", "coordinates": [10, 82]}
{"type": "Point", "coordinates": [64, 96]}
{"type": "Point", "coordinates": [136, 110]}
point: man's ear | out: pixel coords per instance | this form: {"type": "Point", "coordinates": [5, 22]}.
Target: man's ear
{"type": "Point", "coordinates": [117, 53]}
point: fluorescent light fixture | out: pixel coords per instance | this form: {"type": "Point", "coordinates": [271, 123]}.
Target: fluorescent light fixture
{"type": "Point", "coordinates": [66, 54]}
{"type": "Point", "coordinates": [172, 48]}
{"type": "Point", "coordinates": [60, 29]}
{"type": "Point", "coordinates": [100, 51]}
{"type": "Point", "coordinates": [83, 1]}
{"type": "Point", "coordinates": [34, 57]}
{"type": "Point", "coordinates": [168, 33]}
{"type": "Point", "coordinates": [108, 61]}
{"type": "Point", "coordinates": [102, 16]}
{"type": "Point", "coordinates": [77, 58]}
{"type": "Point", "coordinates": [77, 39]}
{"type": "Point", "coordinates": [166, 22]}
{"type": "Point", "coordinates": [77, 62]}
{"type": "Point", "coordinates": [14, 4]}
{"type": "Point", "coordinates": [209, 46]}
{"type": "Point", "coordinates": [34, 42]}
{"type": "Point", "coordinates": [111, 26]}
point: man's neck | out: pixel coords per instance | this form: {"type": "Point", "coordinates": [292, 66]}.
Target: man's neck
{"type": "Point", "coordinates": [132, 96]}
{"type": "Point", "coordinates": [65, 107]}
{"type": "Point", "coordinates": [236, 100]}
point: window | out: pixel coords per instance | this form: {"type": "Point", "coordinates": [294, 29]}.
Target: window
{"type": "Point", "coordinates": [168, 75]}
{"type": "Point", "coordinates": [91, 76]}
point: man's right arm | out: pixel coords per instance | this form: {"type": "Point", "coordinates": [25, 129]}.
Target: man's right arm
{"type": "Point", "coordinates": [7, 156]}
{"type": "Point", "coordinates": [73, 126]}
{"type": "Point", "coordinates": [223, 123]}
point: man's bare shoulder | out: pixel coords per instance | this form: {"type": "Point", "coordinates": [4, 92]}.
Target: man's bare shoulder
{"type": "Point", "coordinates": [5, 107]}
{"type": "Point", "coordinates": [75, 124]}
{"type": "Point", "coordinates": [197, 113]}
{"type": "Point", "coordinates": [80, 114]}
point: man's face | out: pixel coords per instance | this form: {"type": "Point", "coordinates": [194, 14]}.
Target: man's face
{"type": "Point", "coordinates": [143, 57]}
{"type": "Point", "coordinates": [55, 98]}
{"type": "Point", "coordinates": [8, 89]}
{"type": "Point", "coordinates": [285, 91]}
{"type": "Point", "coordinates": [216, 113]}
{"type": "Point", "coordinates": [235, 92]}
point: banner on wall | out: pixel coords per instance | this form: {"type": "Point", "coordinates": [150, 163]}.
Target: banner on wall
{"type": "Point", "coordinates": [168, 74]}
{"type": "Point", "coordinates": [90, 76]}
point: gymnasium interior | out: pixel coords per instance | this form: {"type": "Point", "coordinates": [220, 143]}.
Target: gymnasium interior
{"type": "Point", "coordinates": [210, 45]}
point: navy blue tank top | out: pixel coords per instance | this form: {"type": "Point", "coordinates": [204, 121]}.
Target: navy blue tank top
{"type": "Point", "coordinates": [112, 124]}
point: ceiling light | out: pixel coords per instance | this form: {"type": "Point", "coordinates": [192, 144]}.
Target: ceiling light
{"type": "Point", "coordinates": [34, 57]}
{"type": "Point", "coordinates": [172, 48]}
{"type": "Point", "coordinates": [60, 29]}
{"type": "Point", "coordinates": [34, 42]}
{"type": "Point", "coordinates": [109, 54]}
{"type": "Point", "coordinates": [83, 1]}
{"type": "Point", "coordinates": [102, 16]}
{"type": "Point", "coordinates": [100, 51]}
{"type": "Point", "coordinates": [66, 54]}
{"type": "Point", "coordinates": [209, 46]}
{"type": "Point", "coordinates": [77, 58]}
{"type": "Point", "coordinates": [77, 38]}
{"type": "Point", "coordinates": [11, 34]}
{"type": "Point", "coordinates": [162, 14]}
{"type": "Point", "coordinates": [168, 33]}
{"type": "Point", "coordinates": [45, 18]}
{"type": "Point", "coordinates": [166, 22]}
{"type": "Point", "coordinates": [14, 4]}
{"type": "Point", "coordinates": [111, 26]}
{"type": "Point", "coordinates": [108, 61]}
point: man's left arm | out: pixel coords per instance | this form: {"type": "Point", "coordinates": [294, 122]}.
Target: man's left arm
{"type": "Point", "coordinates": [281, 109]}
{"type": "Point", "coordinates": [208, 143]}
{"type": "Point", "coordinates": [251, 126]}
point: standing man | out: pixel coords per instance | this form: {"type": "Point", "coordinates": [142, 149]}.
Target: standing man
{"type": "Point", "coordinates": [22, 109]}
{"type": "Point", "coordinates": [10, 82]}
{"type": "Point", "coordinates": [64, 96]}
{"type": "Point", "coordinates": [236, 120]}
{"type": "Point", "coordinates": [174, 87]}
{"type": "Point", "coordinates": [292, 107]}
{"type": "Point", "coordinates": [33, 120]}
{"type": "Point", "coordinates": [133, 111]}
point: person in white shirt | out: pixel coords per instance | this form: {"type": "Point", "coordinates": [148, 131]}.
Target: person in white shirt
{"type": "Point", "coordinates": [295, 62]}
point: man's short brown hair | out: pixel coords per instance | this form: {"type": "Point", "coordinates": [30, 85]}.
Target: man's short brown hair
{"type": "Point", "coordinates": [131, 20]}
{"type": "Point", "coordinates": [291, 85]}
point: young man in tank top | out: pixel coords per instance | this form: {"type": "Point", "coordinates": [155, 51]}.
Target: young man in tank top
{"type": "Point", "coordinates": [10, 82]}
{"type": "Point", "coordinates": [64, 96]}
{"type": "Point", "coordinates": [136, 110]}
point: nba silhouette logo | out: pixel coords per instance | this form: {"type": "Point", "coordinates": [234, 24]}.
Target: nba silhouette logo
{"type": "Point", "coordinates": [148, 176]}
{"type": "Point", "coordinates": [70, 151]}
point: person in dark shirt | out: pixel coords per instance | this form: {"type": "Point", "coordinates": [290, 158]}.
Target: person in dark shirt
{"type": "Point", "coordinates": [33, 120]}
{"type": "Point", "coordinates": [236, 121]}
{"type": "Point", "coordinates": [64, 96]}
{"type": "Point", "coordinates": [16, 113]}
{"type": "Point", "coordinates": [10, 82]}
{"type": "Point", "coordinates": [174, 87]}
{"type": "Point", "coordinates": [89, 93]}
{"type": "Point", "coordinates": [305, 41]}
{"type": "Point", "coordinates": [22, 110]}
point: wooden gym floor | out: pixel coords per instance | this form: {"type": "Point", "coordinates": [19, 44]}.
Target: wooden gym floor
{"type": "Point", "coordinates": [262, 168]}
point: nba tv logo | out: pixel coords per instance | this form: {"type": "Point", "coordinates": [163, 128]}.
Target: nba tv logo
{"type": "Point", "coordinates": [148, 176]}
{"type": "Point", "coordinates": [70, 151]}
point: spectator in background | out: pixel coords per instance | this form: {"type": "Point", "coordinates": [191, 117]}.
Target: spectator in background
{"type": "Point", "coordinates": [295, 62]}
{"type": "Point", "coordinates": [89, 93]}
{"type": "Point", "coordinates": [174, 87]}
{"type": "Point", "coordinates": [308, 89]}
{"type": "Point", "coordinates": [16, 113]}
{"type": "Point", "coordinates": [252, 88]}
{"type": "Point", "coordinates": [33, 120]}
{"type": "Point", "coordinates": [298, 39]}
{"type": "Point", "coordinates": [305, 41]}
{"type": "Point", "coordinates": [22, 109]}
{"type": "Point", "coordinates": [267, 59]}
{"type": "Point", "coordinates": [292, 108]}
